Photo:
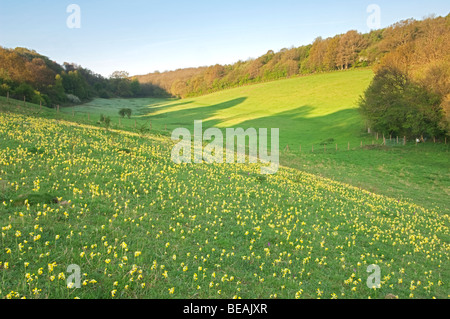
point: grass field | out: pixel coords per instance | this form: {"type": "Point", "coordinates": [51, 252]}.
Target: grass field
{"type": "Point", "coordinates": [310, 111]}
{"type": "Point", "coordinates": [138, 226]}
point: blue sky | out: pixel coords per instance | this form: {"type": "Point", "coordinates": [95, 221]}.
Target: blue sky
{"type": "Point", "coordinates": [141, 36]}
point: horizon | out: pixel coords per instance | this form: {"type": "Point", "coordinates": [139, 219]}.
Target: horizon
{"type": "Point", "coordinates": [142, 37]}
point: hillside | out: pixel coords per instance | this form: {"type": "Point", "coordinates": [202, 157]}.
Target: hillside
{"type": "Point", "coordinates": [139, 226]}
{"type": "Point", "coordinates": [26, 74]}
{"type": "Point", "coordinates": [297, 106]}
{"type": "Point", "coordinates": [312, 113]}
{"type": "Point", "coordinates": [417, 46]}
{"type": "Point", "coordinates": [101, 199]}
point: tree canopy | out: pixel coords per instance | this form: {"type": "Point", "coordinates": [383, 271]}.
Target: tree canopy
{"type": "Point", "coordinates": [25, 73]}
{"type": "Point", "coordinates": [410, 94]}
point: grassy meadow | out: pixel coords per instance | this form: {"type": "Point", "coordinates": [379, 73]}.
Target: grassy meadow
{"type": "Point", "coordinates": [113, 203]}
{"type": "Point", "coordinates": [308, 110]}
{"type": "Point", "coordinates": [313, 113]}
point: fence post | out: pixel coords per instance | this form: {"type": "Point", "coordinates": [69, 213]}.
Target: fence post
{"type": "Point", "coordinates": [300, 148]}
{"type": "Point", "coordinates": [7, 97]}
{"type": "Point", "coordinates": [57, 108]}
{"type": "Point", "coordinates": [404, 140]}
{"type": "Point", "coordinates": [24, 101]}
{"type": "Point", "coordinates": [89, 117]}
{"type": "Point", "coordinates": [313, 148]}
{"type": "Point", "coordinates": [348, 148]}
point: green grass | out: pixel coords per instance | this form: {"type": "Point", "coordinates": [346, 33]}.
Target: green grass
{"type": "Point", "coordinates": [418, 174]}
{"type": "Point", "coordinates": [139, 226]}
{"type": "Point", "coordinates": [309, 111]}
{"type": "Point", "coordinates": [112, 202]}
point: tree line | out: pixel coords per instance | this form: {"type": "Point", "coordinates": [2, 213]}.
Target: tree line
{"type": "Point", "coordinates": [410, 95]}
{"type": "Point", "coordinates": [26, 73]}
{"type": "Point", "coordinates": [342, 52]}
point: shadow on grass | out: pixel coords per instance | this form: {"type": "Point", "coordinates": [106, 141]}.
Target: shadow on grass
{"type": "Point", "coordinates": [298, 127]}
{"type": "Point", "coordinates": [186, 117]}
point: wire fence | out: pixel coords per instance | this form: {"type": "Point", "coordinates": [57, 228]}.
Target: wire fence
{"type": "Point", "coordinates": [364, 144]}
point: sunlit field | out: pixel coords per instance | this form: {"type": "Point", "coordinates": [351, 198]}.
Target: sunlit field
{"type": "Point", "coordinates": [139, 226]}
{"type": "Point", "coordinates": [226, 159]}
{"type": "Point", "coordinates": [321, 132]}
{"type": "Point", "coordinates": [308, 110]}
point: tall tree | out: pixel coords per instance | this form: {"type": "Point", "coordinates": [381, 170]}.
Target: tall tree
{"type": "Point", "coordinates": [329, 59]}
{"type": "Point", "coordinates": [317, 54]}
{"type": "Point", "coordinates": [350, 45]}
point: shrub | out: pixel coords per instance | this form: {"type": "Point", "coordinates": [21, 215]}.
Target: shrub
{"type": "Point", "coordinates": [125, 112]}
{"type": "Point", "coordinates": [105, 120]}
{"type": "Point", "coordinates": [393, 104]}
{"type": "Point", "coordinates": [73, 99]}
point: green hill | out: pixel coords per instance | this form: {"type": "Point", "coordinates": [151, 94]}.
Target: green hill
{"type": "Point", "coordinates": [297, 106]}
{"type": "Point", "coordinates": [317, 112]}
{"type": "Point", "coordinates": [92, 199]}
{"type": "Point", "coordinates": [139, 226]}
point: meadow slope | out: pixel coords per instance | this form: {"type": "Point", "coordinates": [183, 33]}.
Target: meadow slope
{"type": "Point", "coordinates": [139, 226]}
{"type": "Point", "coordinates": [307, 109]}
{"type": "Point", "coordinates": [312, 112]}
